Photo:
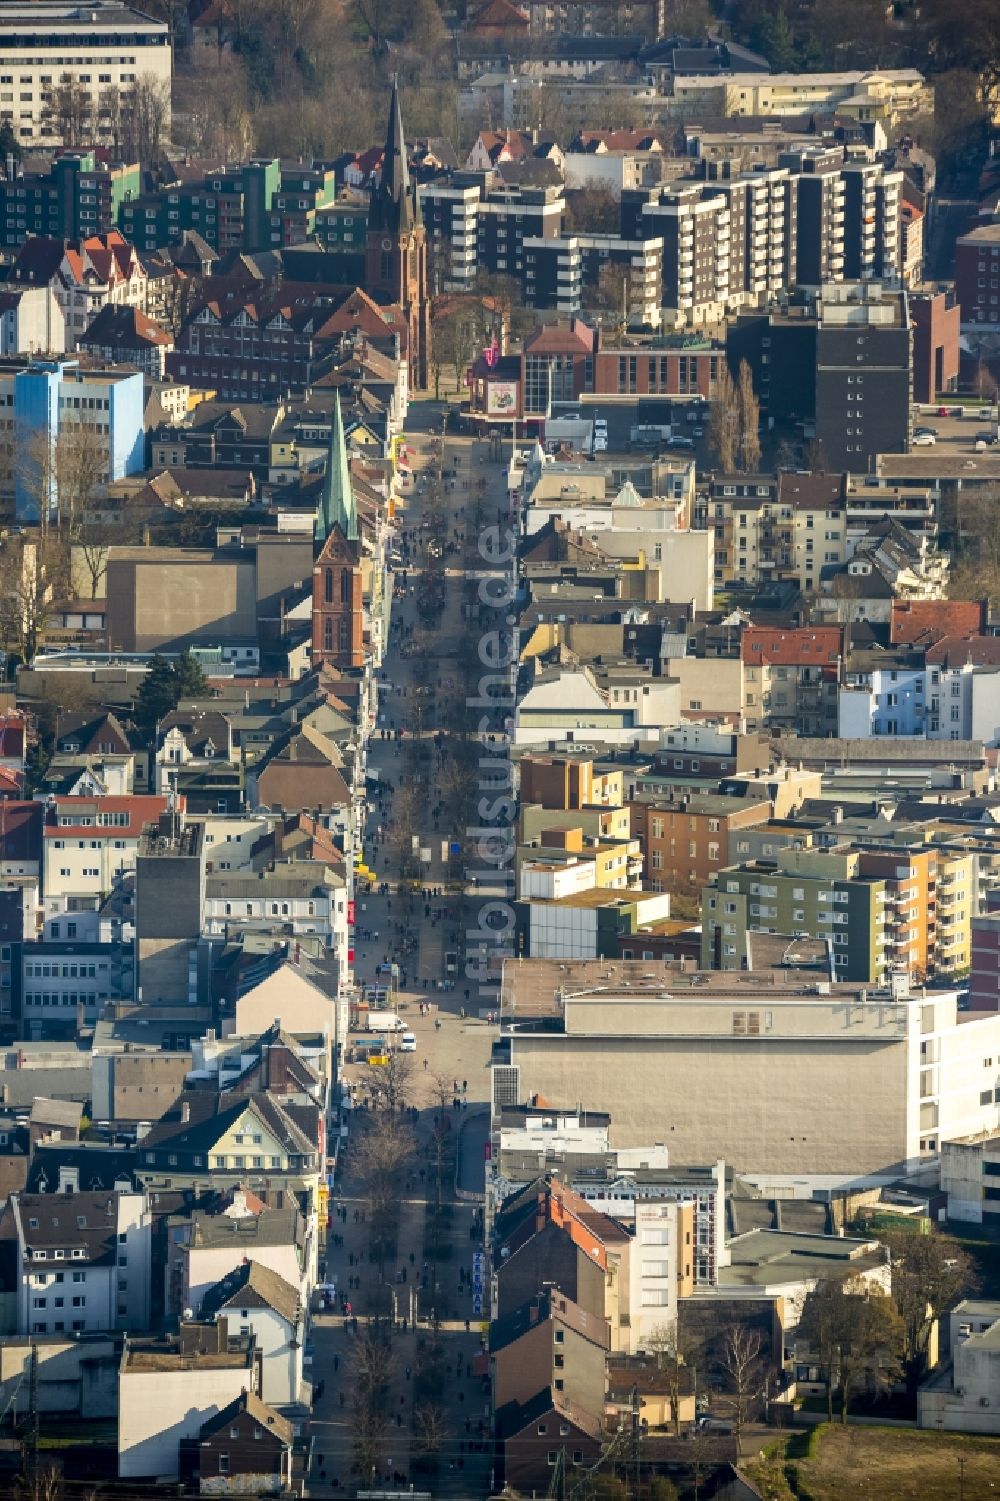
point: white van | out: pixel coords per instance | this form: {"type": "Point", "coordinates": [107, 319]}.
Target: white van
{"type": "Point", "coordinates": [408, 1043]}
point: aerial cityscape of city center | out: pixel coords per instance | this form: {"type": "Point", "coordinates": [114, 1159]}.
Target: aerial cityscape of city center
{"type": "Point", "coordinates": [500, 750]}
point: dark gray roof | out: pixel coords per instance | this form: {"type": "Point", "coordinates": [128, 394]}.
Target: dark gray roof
{"type": "Point", "coordinates": [253, 1285]}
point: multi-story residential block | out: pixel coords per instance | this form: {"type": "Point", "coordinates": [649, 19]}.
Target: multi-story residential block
{"type": "Point", "coordinates": [557, 269]}
{"type": "Point", "coordinates": [276, 1314]}
{"type": "Point", "coordinates": [254, 206]}
{"type": "Point", "coordinates": [936, 318]}
{"type": "Point", "coordinates": [911, 246]}
{"type": "Point", "coordinates": [82, 1261]}
{"type": "Point", "coordinates": [801, 892]}
{"type": "Point", "coordinates": [77, 198]}
{"type": "Point", "coordinates": [89, 842]}
{"type": "Point", "coordinates": [702, 256]}
{"type": "Point", "coordinates": [103, 51]}
{"type": "Point", "coordinates": [506, 217]}
{"type": "Point", "coordinates": [792, 677]}
{"type": "Point", "coordinates": [676, 1058]}
{"type": "Point", "coordinates": [839, 366]}
{"type": "Point", "coordinates": [977, 275]}
{"type": "Point", "coordinates": [767, 529]}
{"type": "Point", "coordinates": [984, 986]}
{"type": "Point", "coordinates": [818, 213]}
{"type": "Point", "coordinates": [886, 96]}
{"type": "Point", "coordinates": [872, 233]}
{"type": "Point", "coordinates": [685, 842]}
{"type": "Point", "coordinates": [44, 398]}
{"type": "Point", "coordinates": [907, 910]}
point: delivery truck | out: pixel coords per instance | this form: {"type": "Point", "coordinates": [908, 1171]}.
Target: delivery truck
{"type": "Point", "coordinates": [385, 1021]}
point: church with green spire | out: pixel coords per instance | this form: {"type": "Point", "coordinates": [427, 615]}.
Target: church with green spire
{"type": "Point", "coordinates": [338, 591]}
{"type": "Point", "coordinates": [336, 503]}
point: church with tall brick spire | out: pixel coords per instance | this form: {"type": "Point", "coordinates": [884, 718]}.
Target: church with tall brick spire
{"type": "Point", "coordinates": [396, 248]}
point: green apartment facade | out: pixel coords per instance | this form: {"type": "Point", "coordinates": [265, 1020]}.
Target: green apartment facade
{"type": "Point", "coordinates": [817, 893]}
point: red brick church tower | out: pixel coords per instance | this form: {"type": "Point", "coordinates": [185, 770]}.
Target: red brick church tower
{"type": "Point", "coordinates": [337, 605]}
{"type": "Point", "coordinates": [396, 251]}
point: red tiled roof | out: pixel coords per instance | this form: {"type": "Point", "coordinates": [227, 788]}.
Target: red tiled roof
{"type": "Point", "coordinates": [555, 338]}
{"type": "Point", "coordinates": [917, 620]}
{"type": "Point", "coordinates": [965, 651]}
{"type": "Point", "coordinates": [806, 646]}
{"type": "Point", "coordinates": [141, 810]}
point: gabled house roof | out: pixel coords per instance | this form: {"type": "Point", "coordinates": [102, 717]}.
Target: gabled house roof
{"type": "Point", "coordinates": [198, 1119]}
{"type": "Point", "coordinates": [124, 330]}
{"type": "Point", "coordinates": [68, 1222]}
{"type": "Point", "coordinates": [254, 1285]}
{"type": "Point", "coordinates": [203, 731]}
{"type": "Point", "coordinates": [273, 1426]}
{"type": "Point", "coordinates": [90, 733]}
{"type": "Point", "coordinates": [514, 1417]}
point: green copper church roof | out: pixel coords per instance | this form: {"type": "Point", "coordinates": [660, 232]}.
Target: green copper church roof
{"type": "Point", "coordinates": [336, 503]}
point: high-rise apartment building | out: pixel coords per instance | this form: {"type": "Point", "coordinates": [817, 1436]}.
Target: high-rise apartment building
{"type": "Point", "coordinates": [102, 50]}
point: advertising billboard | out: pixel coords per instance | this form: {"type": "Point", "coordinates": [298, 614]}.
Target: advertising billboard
{"type": "Point", "coordinates": [501, 398]}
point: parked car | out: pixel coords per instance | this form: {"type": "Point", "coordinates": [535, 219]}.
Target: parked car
{"type": "Point", "coordinates": [986, 436]}
{"type": "Point", "coordinates": [924, 440]}
{"type": "Point", "coordinates": [679, 442]}
{"type": "Point", "coordinates": [923, 430]}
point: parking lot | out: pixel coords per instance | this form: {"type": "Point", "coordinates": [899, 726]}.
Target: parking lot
{"type": "Point", "coordinates": [955, 434]}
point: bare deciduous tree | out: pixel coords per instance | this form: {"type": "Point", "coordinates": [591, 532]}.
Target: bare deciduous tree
{"type": "Point", "coordinates": [858, 1335]}
{"type": "Point", "coordinates": [147, 108]}
{"type": "Point", "coordinates": [724, 422]}
{"type": "Point", "coordinates": [749, 408]}
{"type": "Point", "coordinates": [430, 1426]}
{"type": "Point", "coordinates": [71, 108]}
{"type": "Point", "coordinates": [741, 1360]}
{"type": "Point", "coordinates": [389, 1083]}
{"type": "Point", "coordinates": [33, 576]}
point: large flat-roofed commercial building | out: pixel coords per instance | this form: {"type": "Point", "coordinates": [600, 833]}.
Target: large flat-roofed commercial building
{"type": "Point", "coordinates": [102, 50]}
{"type": "Point", "coordinates": [779, 1072]}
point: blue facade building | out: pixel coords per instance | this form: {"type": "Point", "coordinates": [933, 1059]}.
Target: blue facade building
{"type": "Point", "coordinates": [51, 397]}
